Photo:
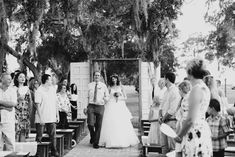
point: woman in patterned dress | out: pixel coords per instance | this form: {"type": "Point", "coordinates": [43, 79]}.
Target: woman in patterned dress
{"type": "Point", "coordinates": [195, 133]}
{"type": "Point", "coordinates": [23, 108]}
{"type": "Point", "coordinates": [64, 107]}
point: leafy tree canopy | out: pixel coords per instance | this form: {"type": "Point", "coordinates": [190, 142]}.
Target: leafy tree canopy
{"type": "Point", "coordinates": [221, 41]}
{"type": "Point", "coordinates": [77, 30]}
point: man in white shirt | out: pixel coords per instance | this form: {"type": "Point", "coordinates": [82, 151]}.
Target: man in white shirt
{"type": "Point", "coordinates": [168, 109]}
{"type": "Point", "coordinates": [46, 111]}
{"type": "Point", "coordinates": [8, 100]}
{"type": "Point", "coordinates": [97, 97]}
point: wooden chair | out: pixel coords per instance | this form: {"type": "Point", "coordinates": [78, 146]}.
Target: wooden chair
{"type": "Point", "coordinates": [16, 154]}
{"type": "Point", "coordinates": [43, 149]}
{"type": "Point", "coordinates": [146, 148]}
{"type": "Point", "coordinates": [68, 136]}
{"type": "Point", "coordinates": [230, 151]}
{"type": "Point", "coordinates": [59, 143]}
{"type": "Point", "coordinates": [77, 131]}
{"type": "Point", "coordinates": [81, 122]}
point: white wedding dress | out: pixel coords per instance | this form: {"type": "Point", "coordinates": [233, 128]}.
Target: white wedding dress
{"type": "Point", "coordinates": [117, 130]}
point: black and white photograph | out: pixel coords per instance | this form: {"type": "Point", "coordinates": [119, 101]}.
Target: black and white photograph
{"type": "Point", "coordinates": [117, 78]}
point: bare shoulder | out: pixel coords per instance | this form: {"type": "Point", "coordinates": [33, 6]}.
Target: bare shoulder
{"type": "Point", "coordinates": [196, 91]}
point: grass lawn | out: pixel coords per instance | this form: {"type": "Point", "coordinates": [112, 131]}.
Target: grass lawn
{"type": "Point", "coordinates": [132, 104]}
{"type": "Point", "coordinates": [132, 101]}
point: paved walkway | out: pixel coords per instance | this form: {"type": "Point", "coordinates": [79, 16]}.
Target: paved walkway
{"type": "Point", "coordinates": [84, 149]}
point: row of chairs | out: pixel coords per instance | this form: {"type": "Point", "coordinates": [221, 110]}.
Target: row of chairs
{"type": "Point", "coordinates": [147, 149]}
{"type": "Point", "coordinates": [66, 139]}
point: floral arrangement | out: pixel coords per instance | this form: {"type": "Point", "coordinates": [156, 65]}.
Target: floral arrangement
{"type": "Point", "coordinates": [116, 95]}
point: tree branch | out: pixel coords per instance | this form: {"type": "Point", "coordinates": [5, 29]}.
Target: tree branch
{"type": "Point", "coordinates": [30, 65]}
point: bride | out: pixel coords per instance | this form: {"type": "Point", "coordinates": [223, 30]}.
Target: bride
{"type": "Point", "coordinates": [117, 130]}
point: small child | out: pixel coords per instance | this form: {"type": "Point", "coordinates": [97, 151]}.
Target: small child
{"type": "Point", "coordinates": [219, 128]}
{"type": "Point", "coordinates": [154, 132]}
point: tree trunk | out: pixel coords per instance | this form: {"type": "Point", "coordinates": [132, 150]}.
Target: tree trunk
{"type": "Point", "coordinates": [39, 11]}
{"type": "Point", "coordinates": [2, 59]}
{"type": "Point", "coordinates": [3, 34]}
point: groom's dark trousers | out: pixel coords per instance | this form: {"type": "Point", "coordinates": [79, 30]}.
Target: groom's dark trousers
{"type": "Point", "coordinates": [94, 121]}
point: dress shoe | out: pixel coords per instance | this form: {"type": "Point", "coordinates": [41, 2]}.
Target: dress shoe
{"type": "Point", "coordinates": [96, 146]}
{"type": "Point", "coordinates": [91, 141]}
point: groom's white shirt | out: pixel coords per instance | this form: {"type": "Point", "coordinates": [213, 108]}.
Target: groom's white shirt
{"type": "Point", "coordinates": [102, 93]}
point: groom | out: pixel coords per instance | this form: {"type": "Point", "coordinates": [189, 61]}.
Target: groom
{"type": "Point", "coordinates": [97, 96]}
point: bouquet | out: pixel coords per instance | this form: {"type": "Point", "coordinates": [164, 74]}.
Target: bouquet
{"type": "Point", "coordinates": [116, 95]}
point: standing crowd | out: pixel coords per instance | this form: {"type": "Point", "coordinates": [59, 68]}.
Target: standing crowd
{"type": "Point", "coordinates": [196, 109]}
{"type": "Point", "coordinates": [26, 104]}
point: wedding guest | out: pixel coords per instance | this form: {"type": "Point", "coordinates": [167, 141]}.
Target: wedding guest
{"type": "Point", "coordinates": [161, 89]}
{"type": "Point", "coordinates": [98, 96]}
{"type": "Point", "coordinates": [195, 133]}
{"type": "Point", "coordinates": [223, 98]}
{"type": "Point", "coordinates": [220, 90]}
{"type": "Point", "coordinates": [73, 100]}
{"type": "Point", "coordinates": [211, 84]}
{"type": "Point", "coordinates": [64, 81]}
{"type": "Point", "coordinates": [182, 111]}
{"type": "Point", "coordinates": [24, 107]}
{"type": "Point", "coordinates": [154, 132]}
{"type": "Point", "coordinates": [46, 111]}
{"type": "Point", "coordinates": [33, 86]}
{"type": "Point", "coordinates": [219, 128]}
{"type": "Point", "coordinates": [8, 101]}
{"type": "Point", "coordinates": [64, 107]}
{"type": "Point", "coordinates": [13, 74]}
{"type": "Point", "coordinates": [168, 109]}
{"type": "Point", "coordinates": [153, 82]}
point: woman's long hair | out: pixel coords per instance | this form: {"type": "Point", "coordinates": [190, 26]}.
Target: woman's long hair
{"type": "Point", "coordinates": [73, 91]}
{"type": "Point", "coordinates": [16, 82]}
{"type": "Point", "coordinates": [111, 81]}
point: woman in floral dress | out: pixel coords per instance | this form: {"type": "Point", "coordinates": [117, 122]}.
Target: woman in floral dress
{"type": "Point", "coordinates": [64, 107]}
{"type": "Point", "coordinates": [195, 133]}
{"type": "Point", "coordinates": [23, 108]}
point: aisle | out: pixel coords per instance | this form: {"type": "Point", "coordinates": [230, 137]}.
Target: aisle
{"type": "Point", "coordinates": [84, 149]}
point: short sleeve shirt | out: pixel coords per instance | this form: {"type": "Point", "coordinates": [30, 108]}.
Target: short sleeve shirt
{"type": "Point", "coordinates": [46, 99]}
{"type": "Point", "coordinates": [9, 95]}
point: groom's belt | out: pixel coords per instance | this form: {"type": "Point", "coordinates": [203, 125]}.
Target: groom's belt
{"type": "Point", "coordinates": [170, 119]}
{"type": "Point", "coordinates": [95, 104]}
